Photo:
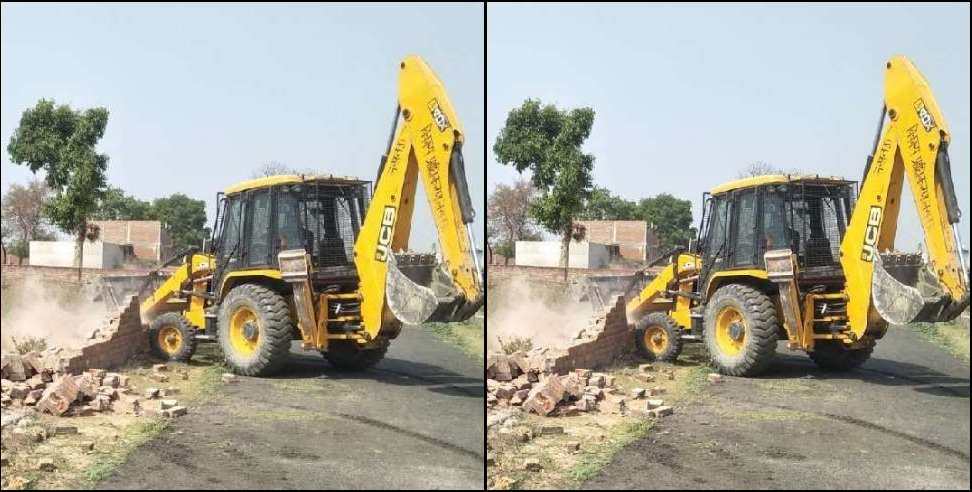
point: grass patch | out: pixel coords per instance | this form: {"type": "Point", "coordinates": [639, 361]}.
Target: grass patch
{"type": "Point", "coordinates": [133, 437]}
{"type": "Point", "coordinates": [951, 336]}
{"type": "Point", "coordinates": [590, 463]}
{"type": "Point", "coordinates": [467, 335]}
{"type": "Point", "coordinates": [694, 380]}
{"type": "Point", "coordinates": [771, 415]}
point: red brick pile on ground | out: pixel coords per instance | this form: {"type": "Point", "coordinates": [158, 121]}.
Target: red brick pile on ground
{"type": "Point", "coordinates": [28, 382]}
{"type": "Point", "coordinates": [525, 379]}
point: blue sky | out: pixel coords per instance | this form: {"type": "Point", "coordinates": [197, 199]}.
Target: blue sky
{"type": "Point", "coordinates": [201, 95]}
{"type": "Point", "coordinates": [687, 95]}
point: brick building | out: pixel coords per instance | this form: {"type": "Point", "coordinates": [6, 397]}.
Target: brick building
{"type": "Point", "coordinates": [635, 240]}
{"type": "Point", "coordinates": [149, 241]}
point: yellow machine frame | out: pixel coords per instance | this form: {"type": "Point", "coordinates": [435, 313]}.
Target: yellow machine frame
{"type": "Point", "coordinates": [422, 144]}
{"type": "Point", "coordinates": [909, 145]}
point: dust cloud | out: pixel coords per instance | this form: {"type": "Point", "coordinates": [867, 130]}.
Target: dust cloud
{"type": "Point", "coordinates": [543, 312]}
{"type": "Point", "coordinates": [61, 314]}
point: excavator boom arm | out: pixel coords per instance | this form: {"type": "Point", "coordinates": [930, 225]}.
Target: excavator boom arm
{"type": "Point", "coordinates": [914, 143]}
{"type": "Point", "coordinates": [426, 140]}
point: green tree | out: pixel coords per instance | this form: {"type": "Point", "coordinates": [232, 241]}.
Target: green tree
{"type": "Point", "coordinates": [547, 142]}
{"type": "Point", "coordinates": [117, 205]}
{"type": "Point", "coordinates": [671, 217]}
{"type": "Point", "coordinates": [184, 218]}
{"type": "Point", "coordinates": [604, 205]}
{"type": "Point", "coordinates": [62, 142]}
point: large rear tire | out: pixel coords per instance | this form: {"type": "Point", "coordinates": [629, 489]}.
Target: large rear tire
{"type": "Point", "coordinates": [835, 357]}
{"type": "Point", "coordinates": [346, 356]}
{"type": "Point", "coordinates": [741, 330]}
{"type": "Point", "coordinates": [658, 337]}
{"type": "Point", "coordinates": [172, 337]}
{"type": "Point", "coordinates": [255, 330]}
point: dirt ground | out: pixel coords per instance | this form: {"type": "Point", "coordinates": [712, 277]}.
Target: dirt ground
{"type": "Point", "coordinates": [102, 440]}
{"type": "Point", "coordinates": [598, 435]}
{"type": "Point", "coordinates": [414, 421]}
{"type": "Point", "coordinates": [901, 421]}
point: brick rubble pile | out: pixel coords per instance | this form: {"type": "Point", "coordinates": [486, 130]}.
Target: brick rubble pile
{"type": "Point", "coordinates": [40, 380]}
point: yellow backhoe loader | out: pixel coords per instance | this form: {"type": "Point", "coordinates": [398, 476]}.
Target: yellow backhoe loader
{"type": "Point", "coordinates": [810, 260]}
{"type": "Point", "coordinates": [315, 258]}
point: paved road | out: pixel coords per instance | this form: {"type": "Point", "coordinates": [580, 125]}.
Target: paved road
{"type": "Point", "coordinates": [415, 421]}
{"type": "Point", "coordinates": [901, 421]}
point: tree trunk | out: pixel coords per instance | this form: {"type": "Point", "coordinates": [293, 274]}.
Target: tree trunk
{"type": "Point", "coordinates": [565, 251]}
{"type": "Point", "coordinates": [79, 250]}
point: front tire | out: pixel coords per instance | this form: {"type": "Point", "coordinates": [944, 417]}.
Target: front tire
{"type": "Point", "coordinates": [658, 337]}
{"type": "Point", "coordinates": [741, 330]}
{"type": "Point", "coordinates": [255, 330]}
{"type": "Point", "coordinates": [835, 357]}
{"type": "Point", "coordinates": [172, 337]}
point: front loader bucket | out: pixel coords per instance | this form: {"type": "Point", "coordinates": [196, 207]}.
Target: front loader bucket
{"type": "Point", "coordinates": [410, 302]}
{"type": "Point", "coordinates": [904, 291]}
{"type": "Point", "coordinates": [896, 302]}
{"type": "Point", "coordinates": [452, 305]}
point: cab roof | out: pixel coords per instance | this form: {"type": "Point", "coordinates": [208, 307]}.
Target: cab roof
{"type": "Point", "coordinates": [768, 179]}
{"type": "Point", "coordinates": [283, 179]}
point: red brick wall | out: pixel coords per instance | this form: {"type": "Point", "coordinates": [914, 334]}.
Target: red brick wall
{"type": "Point", "coordinates": [551, 274]}
{"type": "Point", "coordinates": [605, 341]}
{"type": "Point", "coordinates": [61, 274]}
{"type": "Point", "coordinates": [632, 236]}
{"type": "Point", "coordinates": [120, 339]}
{"type": "Point", "coordinates": [147, 238]}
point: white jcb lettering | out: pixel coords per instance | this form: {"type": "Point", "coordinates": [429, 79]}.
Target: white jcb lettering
{"type": "Point", "coordinates": [871, 234]}
{"type": "Point", "coordinates": [385, 234]}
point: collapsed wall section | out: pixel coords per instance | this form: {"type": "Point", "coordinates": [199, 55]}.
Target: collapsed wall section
{"type": "Point", "coordinates": [607, 339]}
{"type": "Point", "coordinates": [113, 344]}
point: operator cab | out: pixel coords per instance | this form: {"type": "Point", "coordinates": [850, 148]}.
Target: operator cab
{"type": "Point", "coordinates": [808, 214]}
{"type": "Point", "coordinates": [257, 219]}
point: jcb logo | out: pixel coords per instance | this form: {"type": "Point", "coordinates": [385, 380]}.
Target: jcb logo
{"type": "Point", "coordinates": [385, 234]}
{"type": "Point", "coordinates": [871, 234]}
{"type": "Point", "coordinates": [438, 116]}
{"type": "Point", "coordinates": [926, 118]}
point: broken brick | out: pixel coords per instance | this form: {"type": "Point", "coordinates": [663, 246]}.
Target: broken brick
{"type": "Point", "coordinates": [532, 464]}
{"type": "Point", "coordinates": [58, 396]}
{"type": "Point", "coordinates": [111, 379]}
{"type": "Point", "coordinates": [64, 429]}
{"type": "Point", "coordinates": [33, 397]}
{"type": "Point", "coordinates": [19, 391]}
{"type": "Point", "coordinates": [659, 412]}
{"type": "Point", "coordinates": [549, 430]}
{"type": "Point", "coordinates": [175, 412]}
{"type": "Point", "coordinates": [159, 377]}
{"type": "Point", "coordinates": [46, 464]}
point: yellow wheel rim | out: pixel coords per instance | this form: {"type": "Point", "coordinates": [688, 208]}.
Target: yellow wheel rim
{"type": "Point", "coordinates": [170, 339]}
{"type": "Point", "coordinates": [656, 339]}
{"type": "Point", "coordinates": [244, 331]}
{"type": "Point", "coordinates": [730, 331]}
